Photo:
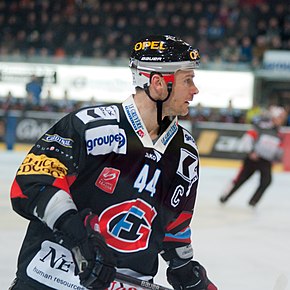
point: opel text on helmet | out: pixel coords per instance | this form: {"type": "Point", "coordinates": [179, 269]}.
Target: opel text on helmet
{"type": "Point", "coordinates": [164, 54]}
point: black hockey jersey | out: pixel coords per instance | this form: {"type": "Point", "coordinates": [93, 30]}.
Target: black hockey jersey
{"type": "Point", "coordinates": [103, 158]}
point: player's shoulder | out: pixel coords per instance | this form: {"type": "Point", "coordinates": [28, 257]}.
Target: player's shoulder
{"type": "Point", "coordinates": [187, 138]}
{"type": "Point", "coordinates": [95, 114]}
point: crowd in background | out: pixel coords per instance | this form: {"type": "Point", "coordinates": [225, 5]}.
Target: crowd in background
{"type": "Point", "coordinates": [223, 30]}
{"type": "Point", "coordinates": [197, 113]}
{"type": "Point", "coordinates": [66, 105]}
{"type": "Point", "coordinates": [47, 104]}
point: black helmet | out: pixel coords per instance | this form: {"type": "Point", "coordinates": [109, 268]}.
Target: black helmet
{"type": "Point", "coordinates": [164, 54]}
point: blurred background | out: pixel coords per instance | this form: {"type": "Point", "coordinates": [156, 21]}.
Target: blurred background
{"type": "Point", "coordinates": [57, 56]}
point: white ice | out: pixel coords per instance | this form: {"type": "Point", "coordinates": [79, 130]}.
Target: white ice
{"type": "Point", "coordinates": [242, 249]}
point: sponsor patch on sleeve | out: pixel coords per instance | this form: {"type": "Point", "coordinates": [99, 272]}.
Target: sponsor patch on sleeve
{"type": "Point", "coordinates": [99, 113]}
{"type": "Point", "coordinates": [42, 164]}
{"type": "Point", "coordinates": [188, 139]}
{"type": "Point", "coordinates": [66, 142]}
{"type": "Point", "coordinates": [105, 139]}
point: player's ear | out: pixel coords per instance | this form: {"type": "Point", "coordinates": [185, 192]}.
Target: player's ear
{"type": "Point", "coordinates": [155, 79]}
{"type": "Point", "coordinates": [158, 83]}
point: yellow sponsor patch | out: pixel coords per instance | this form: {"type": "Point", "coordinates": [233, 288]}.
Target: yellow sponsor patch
{"type": "Point", "coordinates": [158, 45]}
{"type": "Point", "coordinates": [41, 164]}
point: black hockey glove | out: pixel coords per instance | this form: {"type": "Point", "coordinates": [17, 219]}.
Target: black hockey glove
{"type": "Point", "coordinates": [94, 260]}
{"type": "Point", "coordinates": [191, 276]}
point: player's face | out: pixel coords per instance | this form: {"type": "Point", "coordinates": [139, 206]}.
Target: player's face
{"type": "Point", "coordinates": [182, 94]}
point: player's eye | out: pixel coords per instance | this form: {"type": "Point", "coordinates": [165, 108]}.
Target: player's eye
{"type": "Point", "coordinates": [188, 82]}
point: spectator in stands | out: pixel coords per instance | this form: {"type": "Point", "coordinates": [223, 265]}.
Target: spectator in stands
{"type": "Point", "coordinates": [47, 40]}
{"type": "Point", "coordinates": [285, 34]}
{"type": "Point", "coordinates": [230, 114]}
{"type": "Point", "coordinates": [28, 27]}
{"type": "Point", "coordinates": [91, 102]}
{"type": "Point", "coordinates": [260, 46]}
{"type": "Point", "coordinates": [199, 113]}
{"type": "Point", "coordinates": [33, 89]}
{"type": "Point", "coordinates": [230, 52]}
{"type": "Point", "coordinates": [263, 10]}
{"type": "Point", "coordinates": [244, 28]}
{"type": "Point", "coordinates": [28, 104]}
{"type": "Point", "coordinates": [202, 28]}
{"type": "Point", "coordinates": [66, 104]}
{"type": "Point", "coordinates": [7, 102]}
{"type": "Point", "coordinates": [84, 45]}
{"type": "Point", "coordinates": [273, 28]}
{"type": "Point", "coordinates": [246, 50]}
{"type": "Point", "coordinates": [275, 42]}
{"type": "Point", "coordinates": [253, 113]}
{"type": "Point", "coordinates": [48, 103]}
{"type": "Point", "coordinates": [215, 30]}
{"type": "Point", "coordinates": [70, 43]}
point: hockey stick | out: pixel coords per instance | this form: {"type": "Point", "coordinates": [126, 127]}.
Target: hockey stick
{"type": "Point", "coordinates": [137, 282]}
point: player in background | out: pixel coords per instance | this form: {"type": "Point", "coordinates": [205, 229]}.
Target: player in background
{"type": "Point", "coordinates": [264, 142]}
{"type": "Point", "coordinates": [110, 187]}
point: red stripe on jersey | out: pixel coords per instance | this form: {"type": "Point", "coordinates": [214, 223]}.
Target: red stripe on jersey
{"type": "Point", "coordinates": [16, 191]}
{"type": "Point", "coordinates": [181, 219]}
{"type": "Point", "coordinates": [171, 239]}
{"type": "Point", "coordinates": [64, 183]}
{"type": "Point", "coordinates": [253, 134]}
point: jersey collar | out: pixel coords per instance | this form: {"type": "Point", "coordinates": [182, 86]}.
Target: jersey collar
{"type": "Point", "coordinates": [134, 118]}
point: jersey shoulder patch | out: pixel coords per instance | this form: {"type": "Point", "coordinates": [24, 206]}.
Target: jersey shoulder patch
{"type": "Point", "coordinates": [106, 139]}
{"type": "Point", "coordinates": [188, 139]}
{"type": "Point", "coordinates": [91, 114]}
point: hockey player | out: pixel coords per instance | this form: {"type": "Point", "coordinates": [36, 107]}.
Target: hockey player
{"type": "Point", "coordinates": [265, 146]}
{"type": "Point", "coordinates": [111, 187]}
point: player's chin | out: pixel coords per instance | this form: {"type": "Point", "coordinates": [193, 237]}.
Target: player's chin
{"type": "Point", "coordinates": [184, 111]}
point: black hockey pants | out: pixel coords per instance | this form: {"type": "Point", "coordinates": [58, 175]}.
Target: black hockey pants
{"type": "Point", "coordinates": [248, 169]}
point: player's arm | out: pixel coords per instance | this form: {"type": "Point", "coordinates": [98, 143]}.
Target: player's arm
{"type": "Point", "coordinates": [248, 140]}
{"type": "Point", "coordinates": [41, 191]}
{"type": "Point", "coordinates": [183, 272]}
{"type": "Point", "coordinates": [41, 188]}
{"type": "Point", "coordinates": [280, 149]}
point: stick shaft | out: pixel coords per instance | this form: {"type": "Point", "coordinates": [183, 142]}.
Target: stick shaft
{"type": "Point", "coordinates": [137, 282]}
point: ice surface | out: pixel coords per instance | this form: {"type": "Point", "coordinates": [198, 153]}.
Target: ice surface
{"type": "Point", "coordinates": [242, 249]}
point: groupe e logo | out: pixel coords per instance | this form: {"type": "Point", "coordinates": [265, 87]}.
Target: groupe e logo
{"type": "Point", "coordinates": [106, 139]}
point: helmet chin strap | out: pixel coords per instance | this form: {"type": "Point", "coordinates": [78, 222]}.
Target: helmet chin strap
{"type": "Point", "coordinates": [159, 103]}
